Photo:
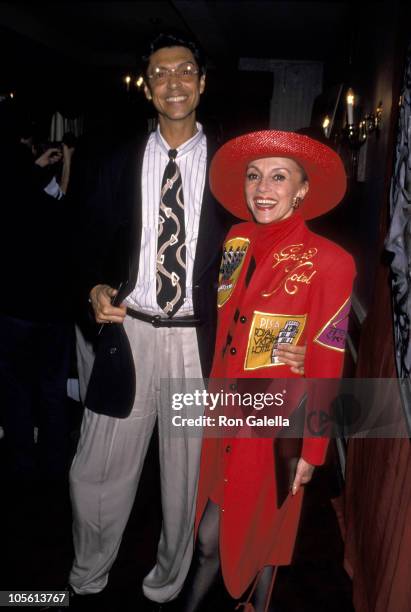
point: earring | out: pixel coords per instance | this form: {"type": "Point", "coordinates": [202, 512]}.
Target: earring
{"type": "Point", "coordinates": [296, 202]}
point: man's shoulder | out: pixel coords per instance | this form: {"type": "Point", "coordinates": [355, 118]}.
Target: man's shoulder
{"type": "Point", "coordinates": [111, 157]}
{"type": "Point", "coordinates": [133, 145]}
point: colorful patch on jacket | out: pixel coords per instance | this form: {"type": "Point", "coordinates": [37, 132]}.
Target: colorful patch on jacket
{"type": "Point", "coordinates": [334, 332]}
{"type": "Point", "coordinates": [267, 331]}
{"type": "Point", "coordinates": [232, 261]}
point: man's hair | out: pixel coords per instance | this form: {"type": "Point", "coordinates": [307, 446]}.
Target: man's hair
{"type": "Point", "coordinates": [173, 40]}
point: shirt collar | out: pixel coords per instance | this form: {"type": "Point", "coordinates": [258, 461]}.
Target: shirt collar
{"type": "Point", "coordinates": [184, 148]}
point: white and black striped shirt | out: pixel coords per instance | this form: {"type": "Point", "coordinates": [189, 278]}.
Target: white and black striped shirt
{"type": "Point", "coordinates": [192, 161]}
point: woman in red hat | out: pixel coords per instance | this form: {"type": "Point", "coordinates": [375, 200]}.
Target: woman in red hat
{"type": "Point", "coordinates": [278, 281]}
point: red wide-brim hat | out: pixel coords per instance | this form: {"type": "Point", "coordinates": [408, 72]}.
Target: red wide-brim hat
{"type": "Point", "coordinates": [323, 166]}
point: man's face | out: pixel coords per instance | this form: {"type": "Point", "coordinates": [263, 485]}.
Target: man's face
{"type": "Point", "coordinates": [175, 97]}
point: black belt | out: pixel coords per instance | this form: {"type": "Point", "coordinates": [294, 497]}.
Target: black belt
{"type": "Point", "coordinates": [159, 321]}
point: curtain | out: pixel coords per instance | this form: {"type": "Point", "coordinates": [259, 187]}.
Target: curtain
{"type": "Point", "coordinates": [296, 85]}
{"type": "Point", "coordinates": [399, 241]}
{"type": "Point", "coordinates": [60, 125]}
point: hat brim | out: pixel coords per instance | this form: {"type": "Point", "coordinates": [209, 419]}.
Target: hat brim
{"type": "Point", "coordinates": [323, 166]}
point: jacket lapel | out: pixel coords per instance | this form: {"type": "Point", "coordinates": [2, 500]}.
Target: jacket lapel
{"type": "Point", "coordinates": [132, 194]}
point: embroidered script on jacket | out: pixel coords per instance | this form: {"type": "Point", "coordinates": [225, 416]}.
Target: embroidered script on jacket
{"type": "Point", "coordinates": [299, 270]}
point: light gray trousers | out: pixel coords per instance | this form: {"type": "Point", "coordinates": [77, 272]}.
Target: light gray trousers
{"type": "Point", "coordinates": [106, 469]}
{"type": "Point", "coordinates": [85, 361]}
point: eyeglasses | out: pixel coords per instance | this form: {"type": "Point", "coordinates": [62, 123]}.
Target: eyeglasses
{"type": "Point", "coordinates": [184, 72]}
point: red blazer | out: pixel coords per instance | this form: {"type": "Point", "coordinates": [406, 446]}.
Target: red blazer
{"type": "Point", "coordinates": [278, 282]}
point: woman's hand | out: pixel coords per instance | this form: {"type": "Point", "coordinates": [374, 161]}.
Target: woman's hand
{"type": "Point", "coordinates": [303, 474]}
{"type": "Point", "coordinates": [293, 356]}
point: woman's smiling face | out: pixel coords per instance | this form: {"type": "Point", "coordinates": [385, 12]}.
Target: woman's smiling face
{"type": "Point", "coordinates": [271, 186]}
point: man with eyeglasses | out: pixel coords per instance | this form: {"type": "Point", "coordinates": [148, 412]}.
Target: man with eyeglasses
{"type": "Point", "coordinates": [164, 308]}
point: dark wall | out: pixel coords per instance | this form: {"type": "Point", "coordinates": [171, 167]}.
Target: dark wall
{"type": "Point", "coordinates": [378, 62]}
{"type": "Point", "coordinates": [375, 73]}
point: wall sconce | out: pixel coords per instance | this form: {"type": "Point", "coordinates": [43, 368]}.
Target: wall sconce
{"type": "Point", "coordinates": [355, 133]}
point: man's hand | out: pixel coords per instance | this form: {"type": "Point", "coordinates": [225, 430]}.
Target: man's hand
{"type": "Point", "coordinates": [303, 474]}
{"type": "Point", "coordinates": [104, 312]}
{"type": "Point", "coordinates": [293, 356]}
{"type": "Point", "coordinates": [49, 157]}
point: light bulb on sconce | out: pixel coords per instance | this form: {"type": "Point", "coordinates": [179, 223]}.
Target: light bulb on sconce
{"type": "Point", "coordinates": [132, 80]}
{"type": "Point", "coordinates": [326, 126]}
{"type": "Point", "coordinates": [127, 80]}
{"type": "Point", "coordinates": [350, 106]}
{"type": "Point", "coordinates": [378, 116]}
{"type": "Point", "coordinates": [5, 96]}
{"type": "Point", "coordinates": [355, 134]}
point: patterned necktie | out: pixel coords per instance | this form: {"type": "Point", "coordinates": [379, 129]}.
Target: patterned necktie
{"type": "Point", "coordinates": [171, 252]}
